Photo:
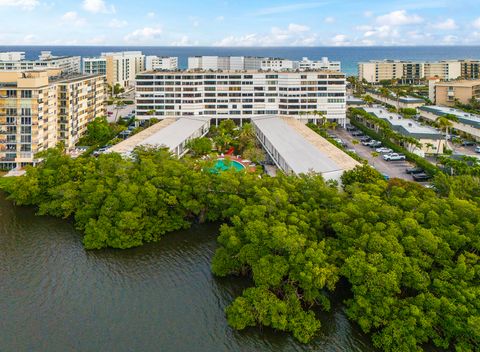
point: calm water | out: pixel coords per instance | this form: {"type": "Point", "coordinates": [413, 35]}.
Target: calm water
{"type": "Point", "coordinates": [349, 56]}
{"type": "Point", "coordinates": [54, 296]}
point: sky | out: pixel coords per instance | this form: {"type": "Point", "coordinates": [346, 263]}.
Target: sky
{"type": "Point", "coordinates": [240, 22]}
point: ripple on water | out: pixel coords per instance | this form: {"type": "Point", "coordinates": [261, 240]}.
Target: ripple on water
{"type": "Point", "coordinates": [55, 296]}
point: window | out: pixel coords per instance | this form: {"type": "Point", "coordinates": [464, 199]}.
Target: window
{"type": "Point", "coordinates": [26, 94]}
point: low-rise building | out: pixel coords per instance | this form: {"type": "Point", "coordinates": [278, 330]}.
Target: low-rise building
{"type": "Point", "coordinates": [94, 66]}
{"type": "Point", "coordinates": [161, 63]}
{"type": "Point", "coordinates": [448, 93]}
{"type": "Point", "coordinates": [241, 95]}
{"type": "Point", "coordinates": [467, 123]}
{"type": "Point", "coordinates": [39, 109]}
{"type": "Point", "coordinates": [296, 149]}
{"type": "Point", "coordinates": [406, 102]}
{"type": "Point", "coordinates": [276, 64]}
{"type": "Point", "coordinates": [15, 61]}
{"type": "Point", "coordinates": [431, 139]}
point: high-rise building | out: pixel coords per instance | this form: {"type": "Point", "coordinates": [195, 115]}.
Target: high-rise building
{"type": "Point", "coordinates": [241, 94]}
{"type": "Point", "coordinates": [39, 109]}
{"type": "Point", "coordinates": [161, 63]}
{"type": "Point", "coordinates": [376, 71]}
{"type": "Point", "coordinates": [118, 67]}
{"type": "Point", "coordinates": [322, 65]}
{"type": "Point", "coordinates": [94, 66]}
{"type": "Point", "coordinates": [15, 61]}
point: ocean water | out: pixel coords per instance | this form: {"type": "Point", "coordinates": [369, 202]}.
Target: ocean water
{"type": "Point", "coordinates": [349, 56]}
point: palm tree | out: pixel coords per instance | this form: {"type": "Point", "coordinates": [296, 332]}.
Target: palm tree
{"type": "Point", "coordinates": [444, 124]}
{"type": "Point", "coordinates": [119, 103]}
{"type": "Point", "coordinates": [368, 99]}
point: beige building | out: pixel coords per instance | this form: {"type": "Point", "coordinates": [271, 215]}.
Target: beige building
{"type": "Point", "coordinates": [413, 71]}
{"type": "Point", "coordinates": [122, 67]}
{"type": "Point", "coordinates": [39, 109]}
{"type": "Point", "coordinates": [447, 93]}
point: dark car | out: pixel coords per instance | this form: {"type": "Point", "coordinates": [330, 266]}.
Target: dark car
{"type": "Point", "coordinates": [365, 139]}
{"type": "Point", "coordinates": [422, 177]}
{"type": "Point", "coordinates": [468, 143]}
{"type": "Point", "coordinates": [350, 128]}
{"type": "Point", "coordinates": [357, 133]}
{"type": "Point", "coordinates": [375, 144]}
{"type": "Point", "coordinates": [414, 170]}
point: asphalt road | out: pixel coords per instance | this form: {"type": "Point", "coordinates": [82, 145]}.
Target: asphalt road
{"type": "Point", "coordinates": [394, 169]}
{"type": "Point", "coordinates": [123, 111]}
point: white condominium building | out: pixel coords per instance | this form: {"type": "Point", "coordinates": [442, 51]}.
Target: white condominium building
{"type": "Point", "coordinates": [15, 61]}
{"type": "Point", "coordinates": [274, 64]}
{"type": "Point", "coordinates": [247, 63]}
{"type": "Point", "coordinates": [94, 66]}
{"type": "Point", "coordinates": [381, 70]}
{"type": "Point", "coordinates": [323, 65]}
{"type": "Point", "coordinates": [241, 95]}
{"type": "Point", "coordinates": [118, 67]}
{"type": "Point", "coordinates": [161, 63]}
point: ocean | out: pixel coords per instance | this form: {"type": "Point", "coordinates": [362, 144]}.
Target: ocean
{"type": "Point", "coordinates": [349, 56]}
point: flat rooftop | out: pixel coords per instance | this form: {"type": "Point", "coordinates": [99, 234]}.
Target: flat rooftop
{"type": "Point", "coordinates": [463, 117]}
{"type": "Point", "coordinates": [302, 149]}
{"type": "Point", "coordinates": [407, 127]}
{"type": "Point", "coordinates": [169, 133]}
{"type": "Point", "coordinates": [460, 83]}
{"type": "Point", "coordinates": [190, 71]}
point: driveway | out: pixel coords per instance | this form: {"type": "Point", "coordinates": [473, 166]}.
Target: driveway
{"type": "Point", "coordinates": [123, 111]}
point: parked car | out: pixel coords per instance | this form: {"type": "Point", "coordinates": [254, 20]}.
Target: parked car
{"type": "Point", "coordinates": [477, 149]}
{"type": "Point", "coordinates": [414, 170]}
{"type": "Point", "coordinates": [365, 139]}
{"type": "Point", "coordinates": [422, 177]}
{"type": "Point", "coordinates": [350, 128]}
{"type": "Point", "coordinates": [375, 144]}
{"type": "Point", "coordinates": [468, 143]}
{"type": "Point", "coordinates": [384, 150]}
{"type": "Point", "coordinates": [357, 133]}
{"type": "Point", "coordinates": [394, 157]}
{"type": "Point", "coordinates": [386, 177]}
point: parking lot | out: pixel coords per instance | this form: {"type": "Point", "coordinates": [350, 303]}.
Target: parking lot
{"type": "Point", "coordinates": [392, 169]}
{"type": "Point", "coordinates": [115, 114]}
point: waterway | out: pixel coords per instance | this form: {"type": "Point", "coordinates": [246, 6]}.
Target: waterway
{"type": "Point", "coordinates": [55, 296]}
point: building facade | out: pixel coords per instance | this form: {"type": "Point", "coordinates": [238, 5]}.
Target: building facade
{"type": "Point", "coordinates": [241, 95]}
{"type": "Point", "coordinates": [39, 109]}
{"type": "Point", "coordinates": [15, 61]}
{"type": "Point", "coordinates": [322, 65]}
{"type": "Point", "coordinates": [122, 67]}
{"type": "Point", "coordinates": [94, 66]}
{"type": "Point", "coordinates": [448, 93]}
{"type": "Point", "coordinates": [161, 63]}
{"type": "Point", "coordinates": [376, 71]}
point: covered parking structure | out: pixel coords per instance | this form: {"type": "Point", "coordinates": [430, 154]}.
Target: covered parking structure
{"type": "Point", "coordinates": [173, 134]}
{"type": "Point", "coordinates": [296, 149]}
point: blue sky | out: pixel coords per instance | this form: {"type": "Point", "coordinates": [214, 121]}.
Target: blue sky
{"type": "Point", "coordinates": [241, 22]}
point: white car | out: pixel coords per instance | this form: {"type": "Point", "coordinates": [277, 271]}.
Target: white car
{"type": "Point", "coordinates": [384, 150]}
{"type": "Point", "coordinates": [394, 157]}
{"type": "Point", "coordinates": [477, 149]}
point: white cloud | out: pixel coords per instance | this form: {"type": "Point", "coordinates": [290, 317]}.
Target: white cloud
{"type": "Point", "coordinates": [450, 39]}
{"type": "Point", "coordinates": [476, 23]}
{"type": "Point", "coordinates": [23, 4]}
{"type": "Point", "coordinates": [448, 24]}
{"type": "Point", "coordinates": [220, 18]}
{"type": "Point", "coordinates": [329, 19]}
{"type": "Point", "coordinates": [30, 39]}
{"type": "Point", "coordinates": [101, 39]}
{"type": "Point", "coordinates": [115, 23]}
{"type": "Point", "coordinates": [289, 8]}
{"type": "Point", "coordinates": [97, 6]}
{"type": "Point", "coordinates": [398, 18]}
{"type": "Point", "coordinates": [293, 35]}
{"type": "Point", "coordinates": [144, 34]}
{"type": "Point", "coordinates": [72, 18]}
{"type": "Point", "coordinates": [368, 13]}
{"type": "Point", "coordinates": [184, 41]}
{"type": "Point", "coordinates": [151, 15]}
{"type": "Point", "coordinates": [340, 40]}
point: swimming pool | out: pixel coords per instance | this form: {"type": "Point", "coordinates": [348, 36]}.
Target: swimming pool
{"type": "Point", "coordinates": [221, 165]}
